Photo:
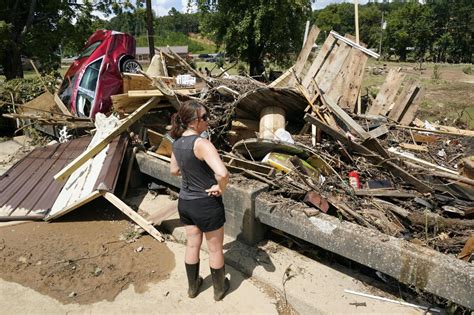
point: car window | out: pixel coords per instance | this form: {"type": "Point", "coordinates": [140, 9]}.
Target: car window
{"type": "Point", "coordinates": [87, 87]}
{"type": "Point", "coordinates": [66, 89]}
{"type": "Point", "coordinates": [89, 50]}
{"type": "Point", "coordinates": [89, 79]}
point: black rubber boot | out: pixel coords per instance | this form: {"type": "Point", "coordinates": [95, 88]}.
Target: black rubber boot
{"type": "Point", "coordinates": [220, 282]}
{"type": "Point", "coordinates": [194, 280]}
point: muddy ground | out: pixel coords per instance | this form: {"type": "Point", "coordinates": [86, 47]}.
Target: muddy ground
{"type": "Point", "coordinates": [89, 255]}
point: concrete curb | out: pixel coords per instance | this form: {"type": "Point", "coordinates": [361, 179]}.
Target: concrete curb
{"type": "Point", "coordinates": [313, 289]}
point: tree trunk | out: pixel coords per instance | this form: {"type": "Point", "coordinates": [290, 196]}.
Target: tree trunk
{"type": "Point", "coordinates": [12, 65]}
{"type": "Point", "coordinates": [256, 66]}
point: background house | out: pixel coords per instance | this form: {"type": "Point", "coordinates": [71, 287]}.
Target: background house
{"type": "Point", "coordinates": [142, 53]}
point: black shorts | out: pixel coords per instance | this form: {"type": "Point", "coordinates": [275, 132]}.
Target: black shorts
{"type": "Point", "coordinates": [206, 213]}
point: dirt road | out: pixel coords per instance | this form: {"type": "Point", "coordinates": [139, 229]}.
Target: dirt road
{"type": "Point", "coordinates": [93, 261]}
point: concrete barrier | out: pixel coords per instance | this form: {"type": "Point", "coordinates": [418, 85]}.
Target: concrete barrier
{"type": "Point", "coordinates": [409, 263]}
{"type": "Point", "coordinates": [424, 268]}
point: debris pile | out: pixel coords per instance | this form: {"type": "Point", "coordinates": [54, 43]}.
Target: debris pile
{"type": "Point", "coordinates": [309, 137]}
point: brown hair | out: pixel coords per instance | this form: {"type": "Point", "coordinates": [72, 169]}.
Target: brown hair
{"type": "Point", "coordinates": [186, 114]}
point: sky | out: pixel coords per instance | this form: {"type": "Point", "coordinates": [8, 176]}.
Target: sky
{"type": "Point", "coordinates": [162, 7]}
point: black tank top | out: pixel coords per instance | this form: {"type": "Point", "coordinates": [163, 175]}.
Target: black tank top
{"type": "Point", "coordinates": [197, 176]}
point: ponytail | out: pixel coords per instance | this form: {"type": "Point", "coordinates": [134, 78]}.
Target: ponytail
{"type": "Point", "coordinates": [186, 114]}
{"type": "Point", "coordinates": [177, 126]}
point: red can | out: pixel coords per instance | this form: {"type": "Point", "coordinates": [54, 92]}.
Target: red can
{"type": "Point", "coordinates": [354, 180]}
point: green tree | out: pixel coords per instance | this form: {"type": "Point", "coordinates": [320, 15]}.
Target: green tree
{"type": "Point", "coordinates": [37, 29]}
{"type": "Point", "coordinates": [256, 30]}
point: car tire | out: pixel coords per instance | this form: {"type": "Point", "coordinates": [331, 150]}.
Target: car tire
{"type": "Point", "coordinates": [131, 66]}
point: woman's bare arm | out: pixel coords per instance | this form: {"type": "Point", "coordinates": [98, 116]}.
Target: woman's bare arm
{"type": "Point", "coordinates": [174, 168]}
{"type": "Point", "coordinates": [205, 151]}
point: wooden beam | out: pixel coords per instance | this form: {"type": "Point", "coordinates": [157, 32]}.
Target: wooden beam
{"type": "Point", "coordinates": [355, 45]}
{"type": "Point", "coordinates": [379, 131]}
{"type": "Point", "coordinates": [414, 147]}
{"type": "Point", "coordinates": [74, 206]}
{"type": "Point", "coordinates": [452, 132]}
{"type": "Point", "coordinates": [91, 152]}
{"type": "Point", "coordinates": [408, 94]}
{"type": "Point", "coordinates": [318, 61]}
{"type": "Point", "coordinates": [144, 93]}
{"type": "Point", "coordinates": [370, 155]}
{"type": "Point", "coordinates": [61, 105]}
{"type": "Point", "coordinates": [283, 78]}
{"type": "Point", "coordinates": [138, 219]}
{"type": "Point", "coordinates": [406, 156]}
{"type": "Point", "coordinates": [342, 115]}
{"type": "Point", "coordinates": [384, 193]}
{"type": "Point", "coordinates": [304, 53]}
{"type": "Point", "coordinates": [387, 93]}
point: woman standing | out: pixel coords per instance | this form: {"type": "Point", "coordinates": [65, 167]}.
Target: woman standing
{"type": "Point", "coordinates": [204, 179]}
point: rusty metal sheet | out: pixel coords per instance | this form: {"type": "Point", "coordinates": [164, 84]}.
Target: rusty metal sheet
{"type": "Point", "coordinates": [28, 189]}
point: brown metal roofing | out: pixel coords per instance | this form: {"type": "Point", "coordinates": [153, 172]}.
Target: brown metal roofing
{"type": "Point", "coordinates": [28, 190]}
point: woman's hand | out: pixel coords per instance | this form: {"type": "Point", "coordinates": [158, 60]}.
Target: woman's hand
{"type": "Point", "coordinates": [215, 191]}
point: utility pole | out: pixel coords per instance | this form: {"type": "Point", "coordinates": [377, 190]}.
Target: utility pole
{"type": "Point", "coordinates": [150, 31]}
{"type": "Point", "coordinates": [356, 18]}
{"type": "Point", "coordinates": [382, 27]}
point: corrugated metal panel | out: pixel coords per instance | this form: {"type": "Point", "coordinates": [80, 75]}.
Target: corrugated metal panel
{"type": "Point", "coordinates": [28, 188]}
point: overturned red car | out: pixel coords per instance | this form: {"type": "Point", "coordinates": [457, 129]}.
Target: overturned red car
{"type": "Point", "coordinates": [95, 74]}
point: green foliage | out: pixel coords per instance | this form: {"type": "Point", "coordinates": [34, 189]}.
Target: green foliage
{"type": "Point", "coordinates": [439, 30]}
{"type": "Point", "coordinates": [172, 39]}
{"type": "Point", "coordinates": [20, 91]}
{"type": "Point", "coordinates": [467, 70]}
{"type": "Point", "coordinates": [255, 31]}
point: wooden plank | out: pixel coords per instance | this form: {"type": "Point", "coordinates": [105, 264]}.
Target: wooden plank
{"type": "Point", "coordinates": [342, 115]}
{"type": "Point", "coordinates": [355, 45]}
{"type": "Point", "coordinates": [414, 147]}
{"type": "Point", "coordinates": [61, 105]}
{"type": "Point", "coordinates": [318, 61]}
{"type": "Point", "coordinates": [154, 137]}
{"type": "Point", "coordinates": [304, 53]}
{"type": "Point", "coordinates": [331, 68]}
{"type": "Point", "coordinates": [138, 219]}
{"type": "Point", "coordinates": [89, 153]}
{"type": "Point", "coordinates": [159, 156]}
{"type": "Point", "coordinates": [371, 156]}
{"type": "Point", "coordinates": [283, 79]}
{"type": "Point", "coordinates": [412, 109]}
{"type": "Point", "coordinates": [457, 132]}
{"type": "Point", "coordinates": [352, 95]}
{"type": "Point", "coordinates": [145, 93]}
{"type": "Point", "coordinates": [384, 193]}
{"type": "Point", "coordinates": [346, 86]}
{"type": "Point", "coordinates": [136, 81]}
{"type": "Point", "coordinates": [74, 206]}
{"type": "Point", "coordinates": [408, 93]}
{"type": "Point", "coordinates": [387, 93]}
{"type": "Point", "coordinates": [406, 156]}
{"type": "Point", "coordinates": [124, 104]}
{"type": "Point", "coordinates": [379, 131]}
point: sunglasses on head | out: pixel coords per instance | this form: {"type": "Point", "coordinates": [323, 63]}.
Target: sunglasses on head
{"type": "Point", "coordinates": [204, 117]}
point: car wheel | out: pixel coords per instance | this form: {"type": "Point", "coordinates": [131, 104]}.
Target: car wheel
{"type": "Point", "coordinates": [131, 66]}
